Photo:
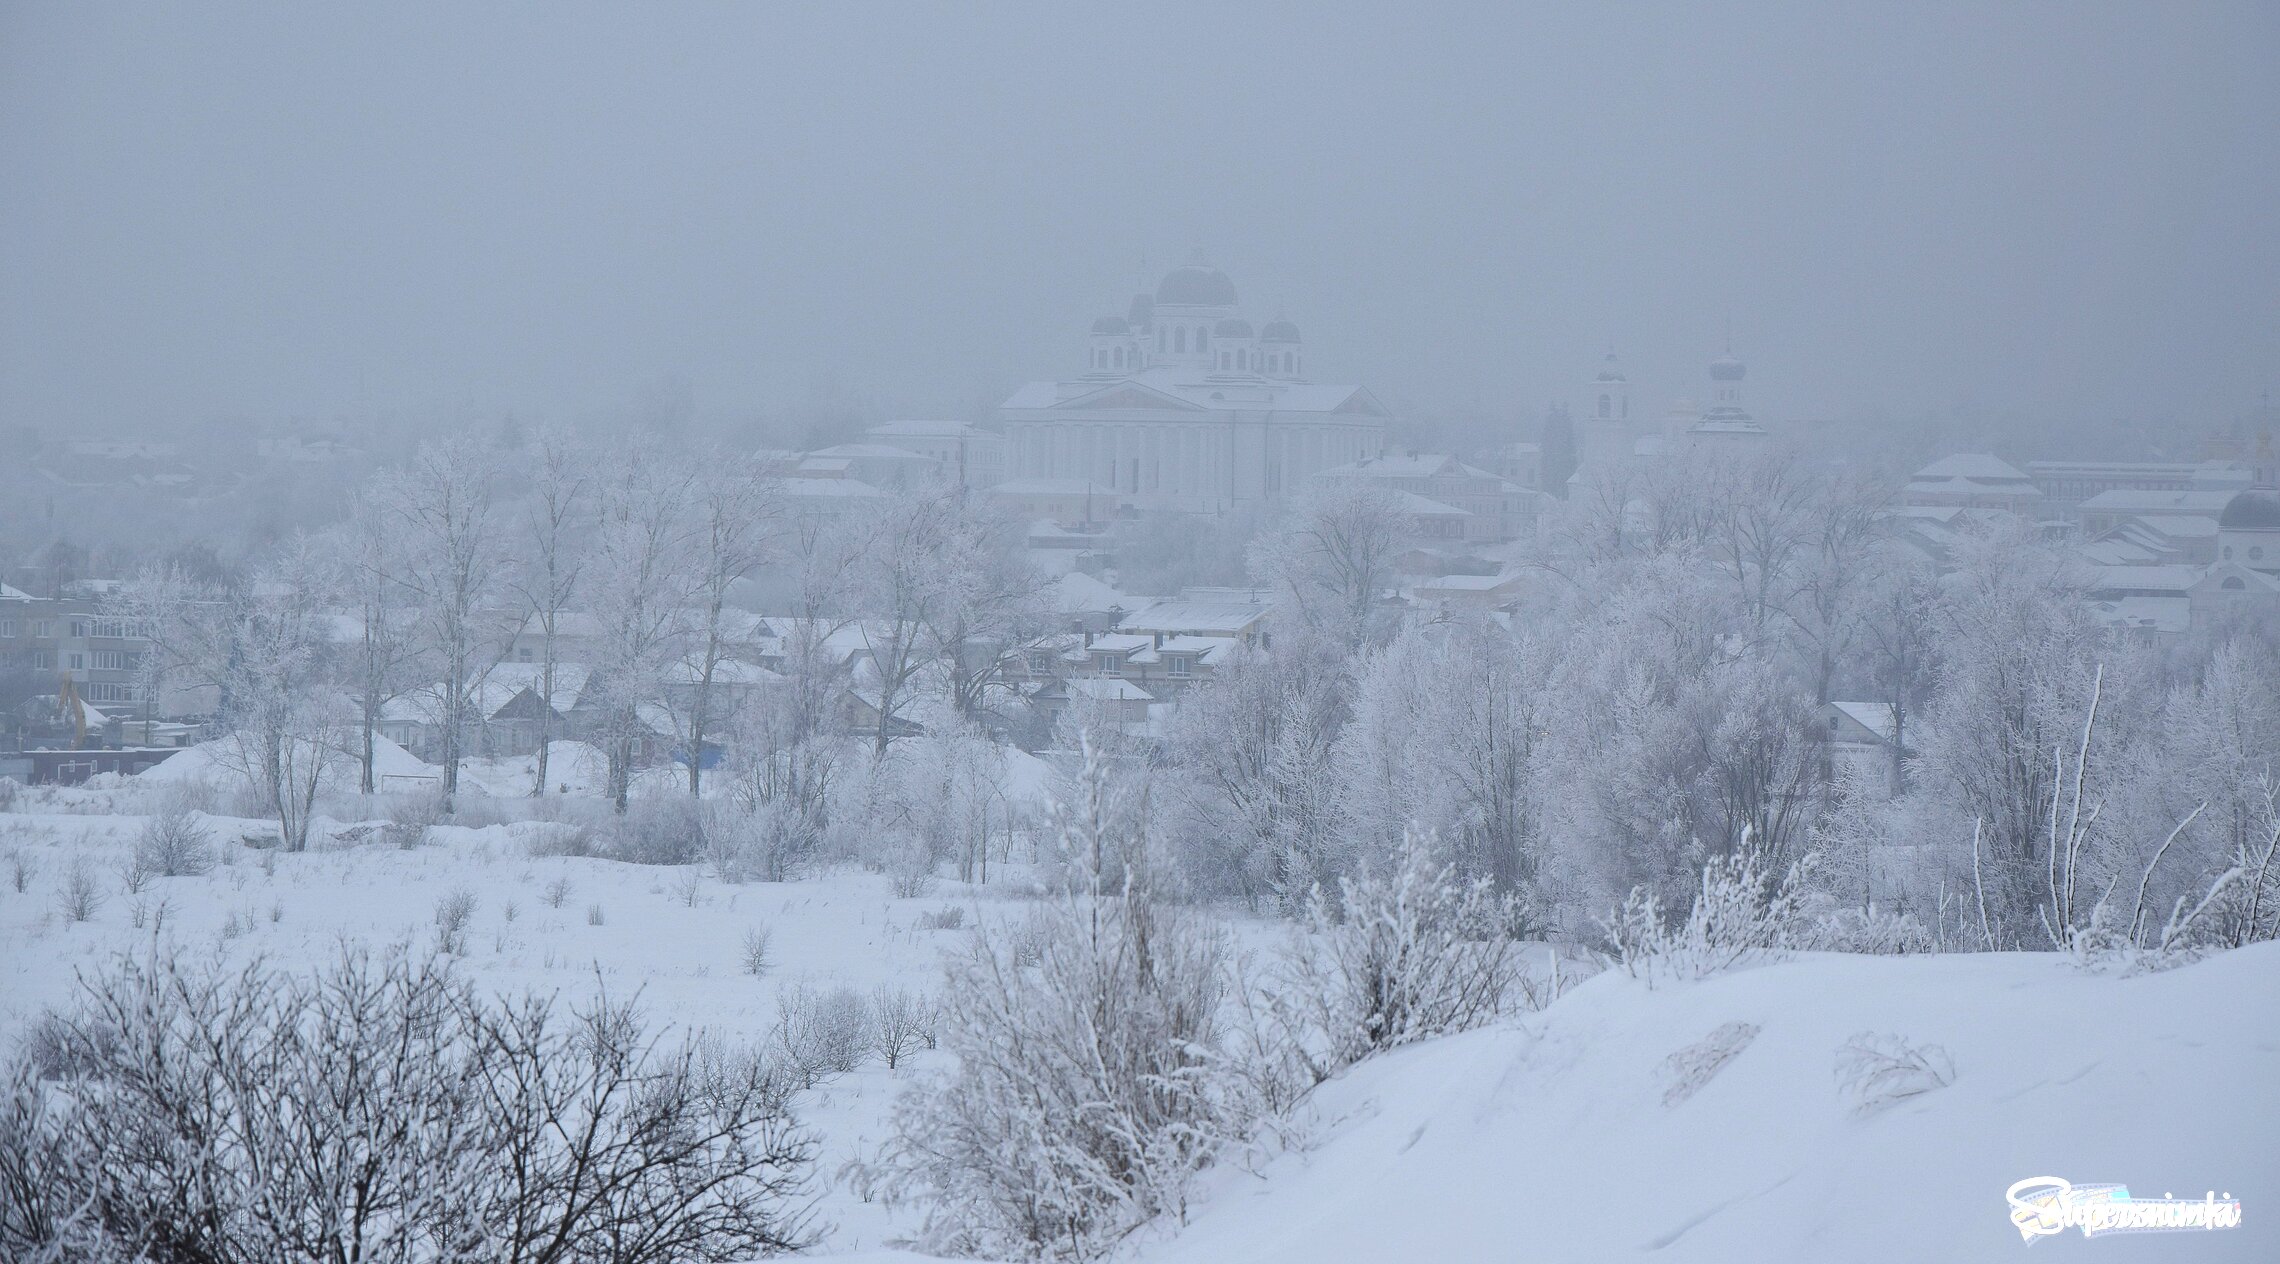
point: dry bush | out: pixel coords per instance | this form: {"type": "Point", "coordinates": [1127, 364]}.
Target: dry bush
{"type": "Point", "coordinates": [1875, 1070]}
{"type": "Point", "coordinates": [79, 898]}
{"type": "Point", "coordinates": [391, 1092]}
{"type": "Point", "coordinates": [755, 954]}
{"type": "Point", "coordinates": [175, 844]}
{"type": "Point", "coordinates": [452, 914]}
{"type": "Point", "coordinates": [820, 1035]}
{"type": "Point", "coordinates": [951, 918]}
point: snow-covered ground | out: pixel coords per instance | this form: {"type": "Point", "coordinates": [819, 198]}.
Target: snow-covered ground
{"type": "Point", "coordinates": [1621, 1122]}
{"type": "Point", "coordinates": [1552, 1140]}
{"type": "Point", "coordinates": [675, 935]}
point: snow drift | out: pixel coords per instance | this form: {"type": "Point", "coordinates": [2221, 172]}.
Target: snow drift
{"type": "Point", "coordinates": [1553, 1140]}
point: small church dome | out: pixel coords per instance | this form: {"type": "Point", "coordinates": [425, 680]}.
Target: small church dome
{"type": "Point", "coordinates": [2253, 510]}
{"type": "Point", "coordinates": [1111, 325]}
{"type": "Point", "coordinates": [1279, 331]}
{"type": "Point", "coordinates": [1727, 369]}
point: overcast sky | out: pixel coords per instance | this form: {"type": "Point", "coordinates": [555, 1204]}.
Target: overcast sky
{"type": "Point", "coordinates": [2063, 210]}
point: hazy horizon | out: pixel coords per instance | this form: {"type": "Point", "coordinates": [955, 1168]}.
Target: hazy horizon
{"type": "Point", "coordinates": [2058, 211]}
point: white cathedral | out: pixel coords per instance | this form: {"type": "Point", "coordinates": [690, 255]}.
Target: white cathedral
{"type": "Point", "coordinates": [1184, 405]}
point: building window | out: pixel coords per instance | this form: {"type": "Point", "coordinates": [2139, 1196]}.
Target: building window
{"type": "Point", "coordinates": [44, 629]}
{"type": "Point", "coordinates": [2234, 584]}
{"type": "Point", "coordinates": [1606, 406]}
{"type": "Point", "coordinates": [1176, 665]}
{"type": "Point", "coordinates": [2255, 552]}
{"type": "Point", "coordinates": [78, 629]}
{"type": "Point", "coordinates": [43, 660]}
{"type": "Point", "coordinates": [79, 662]}
{"type": "Point", "coordinates": [8, 629]}
{"type": "Point", "coordinates": [523, 654]}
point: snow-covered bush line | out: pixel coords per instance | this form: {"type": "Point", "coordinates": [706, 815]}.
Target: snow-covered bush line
{"type": "Point", "coordinates": [361, 1110]}
{"type": "Point", "coordinates": [1397, 957]}
{"type": "Point", "coordinates": [1092, 1080]}
{"type": "Point", "coordinates": [1740, 913]}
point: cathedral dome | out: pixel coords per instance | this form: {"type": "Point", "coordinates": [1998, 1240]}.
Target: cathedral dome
{"type": "Point", "coordinates": [2251, 511]}
{"type": "Point", "coordinates": [1232, 327]}
{"type": "Point", "coordinates": [1196, 285]}
{"type": "Point", "coordinates": [1111, 325]}
{"type": "Point", "coordinates": [1727, 369]}
{"type": "Point", "coordinates": [1279, 331]}
{"type": "Point", "coordinates": [1610, 370]}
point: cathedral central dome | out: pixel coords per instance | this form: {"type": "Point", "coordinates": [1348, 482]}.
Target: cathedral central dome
{"type": "Point", "coordinates": [1196, 285]}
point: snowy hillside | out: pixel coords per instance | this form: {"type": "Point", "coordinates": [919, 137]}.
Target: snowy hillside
{"type": "Point", "coordinates": [1554, 1141]}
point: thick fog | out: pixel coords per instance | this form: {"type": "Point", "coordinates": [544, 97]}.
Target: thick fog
{"type": "Point", "coordinates": [2056, 211]}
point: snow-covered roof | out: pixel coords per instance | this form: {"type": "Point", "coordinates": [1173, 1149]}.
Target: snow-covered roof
{"type": "Point", "coordinates": [1198, 617]}
{"type": "Point", "coordinates": [1166, 386]}
{"type": "Point", "coordinates": [829, 489]}
{"type": "Point", "coordinates": [867, 452]}
{"type": "Point", "coordinates": [1399, 465]}
{"type": "Point", "coordinates": [2158, 614]}
{"type": "Point", "coordinates": [2146, 579]}
{"type": "Point", "coordinates": [1466, 583]}
{"type": "Point", "coordinates": [13, 594]}
{"type": "Point", "coordinates": [1422, 507]}
{"type": "Point", "coordinates": [2136, 501]}
{"type": "Point", "coordinates": [929, 430]}
{"type": "Point", "coordinates": [1979, 467]}
{"type": "Point", "coordinates": [1109, 689]}
{"type": "Point", "coordinates": [1876, 717]}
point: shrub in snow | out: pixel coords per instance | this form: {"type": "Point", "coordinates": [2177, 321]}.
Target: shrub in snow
{"type": "Point", "coordinates": [1087, 1088]}
{"type": "Point", "coordinates": [667, 831]}
{"type": "Point", "coordinates": [175, 844]}
{"type": "Point", "coordinates": [1399, 957]}
{"type": "Point", "coordinates": [1690, 1068]}
{"type": "Point", "coordinates": [79, 898]}
{"type": "Point", "coordinates": [382, 1109]}
{"type": "Point", "coordinates": [821, 1035]}
{"type": "Point", "coordinates": [452, 913]}
{"type": "Point", "coordinates": [1863, 930]}
{"type": "Point", "coordinates": [1873, 1070]}
{"type": "Point", "coordinates": [755, 955]}
{"type": "Point", "coordinates": [22, 867]}
{"type": "Point", "coordinates": [951, 918]}
{"type": "Point", "coordinates": [556, 892]}
{"type": "Point", "coordinates": [594, 915]}
{"type": "Point", "coordinates": [1740, 912]}
{"type": "Point", "coordinates": [8, 791]}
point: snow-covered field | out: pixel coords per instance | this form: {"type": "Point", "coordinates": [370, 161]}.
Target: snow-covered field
{"type": "Point", "coordinates": [1704, 1121]}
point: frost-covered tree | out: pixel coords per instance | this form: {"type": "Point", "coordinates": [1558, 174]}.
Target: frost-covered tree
{"type": "Point", "coordinates": [438, 508]}
{"type": "Point", "coordinates": [1447, 721]}
{"type": "Point", "coordinates": [550, 529]}
{"type": "Point", "coordinates": [267, 646]}
{"type": "Point", "coordinates": [1256, 781]}
{"type": "Point", "coordinates": [385, 661]}
{"type": "Point", "coordinates": [1331, 559]}
{"type": "Point", "coordinates": [736, 513]}
{"type": "Point", "coordinates": [637, 579]}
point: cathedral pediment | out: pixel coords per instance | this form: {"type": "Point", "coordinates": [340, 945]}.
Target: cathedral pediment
{"type": "Point", "coordinates": [1126, 395]}
{"type": "Point", "coordinates": [1363, 404]}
